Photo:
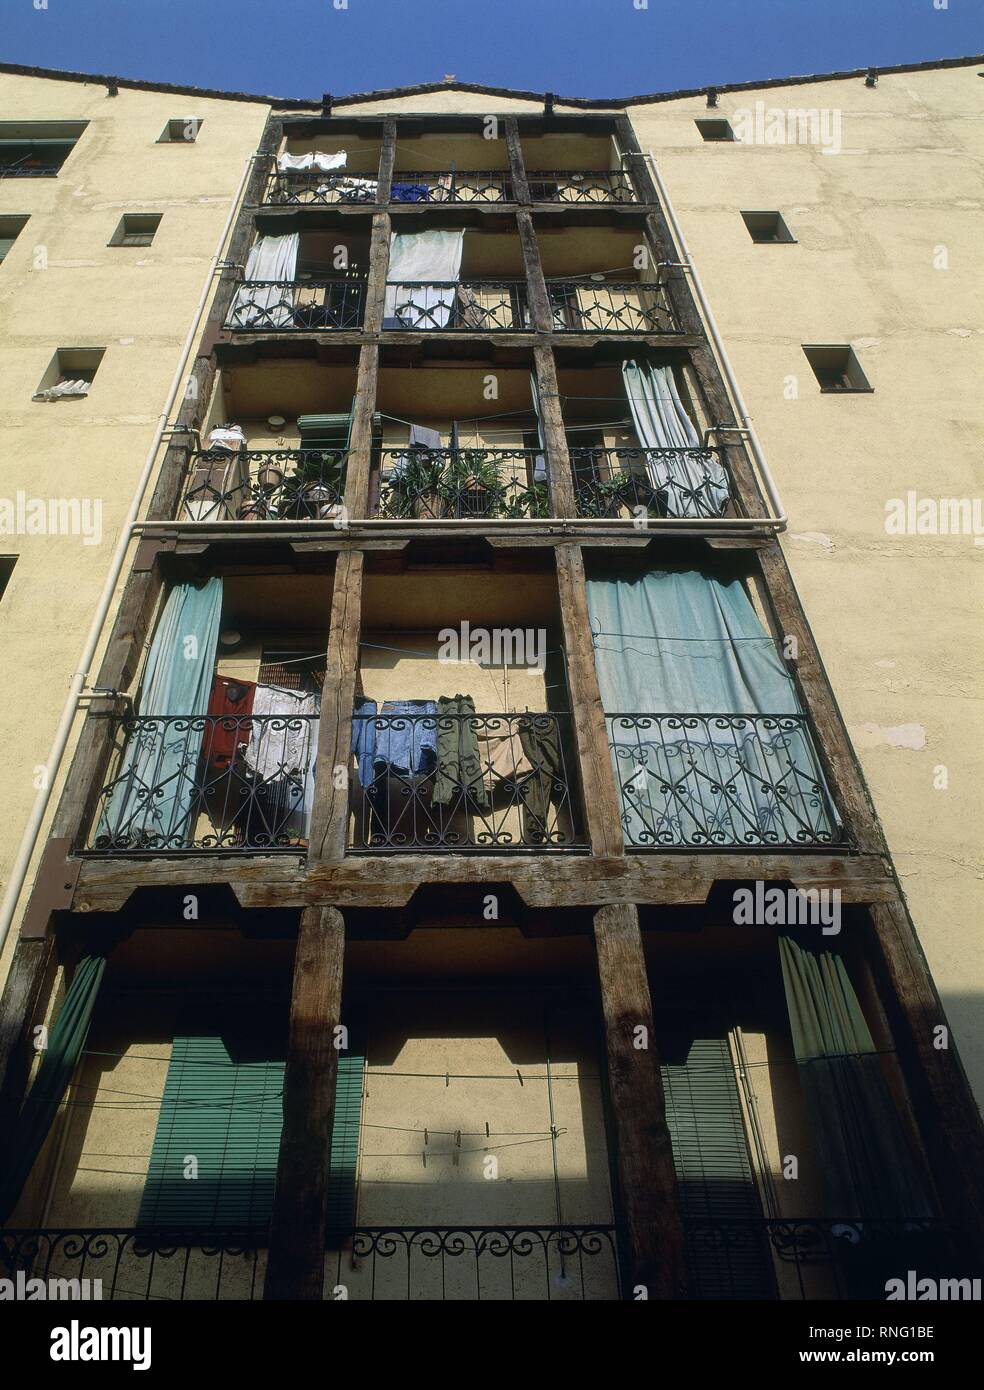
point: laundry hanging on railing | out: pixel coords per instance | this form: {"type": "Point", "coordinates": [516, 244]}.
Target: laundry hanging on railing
{"type": "Point", "coordinates": [717, 750]}
{"type": "Point", "coordinates": [152, 798]}
{"type": "Point", "coordinates": [281, 753]}
{"type": "Point", "coordinates": [692, 482]}
{"type": "Point", "coordinates": [313, 160]}
{"type": "Point", "coordinates": [267, 305]}
{"type": "Point", "coordinates": [422, 279]}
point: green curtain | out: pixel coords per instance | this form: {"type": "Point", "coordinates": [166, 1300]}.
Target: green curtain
{"type": "Point", "coordinates": [65, 1043]}
{"type": "Point", "coordinates": [867, 1161]}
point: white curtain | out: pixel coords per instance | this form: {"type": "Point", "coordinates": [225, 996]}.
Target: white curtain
{"type": "Point", "coordinates": [429, 257]}
{"type": "Point", "coordinates": [271, 258]}
{"type": "Point", "coordinates": [693, 481]}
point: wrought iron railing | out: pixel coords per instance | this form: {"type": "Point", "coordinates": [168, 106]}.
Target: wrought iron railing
{"type": "Point", "coordinates": [443, 779]}
{"type": "Point", "coordinates": [478, 305]}
{"type": "Point", "coordinates": [433, 484]}
{"type": "Point", "coordinates": [803, 1258]}
{"type": "Point", "coordinates": [635, 482]}
{"type": "Point", "coordinates": [291, 187]}
{"type": "Point", "coordinates": [264, 485]}
{"type": "Point", "coordinates": [719, 780]}
{"type": "Point", "coordinates": [628, 306]}
{"type": "Point", "coordinates": [386, 1263]}
{"type": "Point", "coordinates": [207, 784]}
{"type": "Point", "coordinates": [452, 186]}
{"type": "Point", "coordinates": [20, 171]}
{"type": "Point", "coordinates": [580, 186]}
{"type": "Point", "coordinates": [279, 306]}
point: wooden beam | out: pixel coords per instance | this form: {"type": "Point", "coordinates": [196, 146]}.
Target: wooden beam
{"type": "Point", "coordinates": [602, 812]}
{"type": "Point", "coordinates": [296, 1261]}
{"type": "Point", "coordinates": [654, 1254]}
{"type": "Point", "coordinates": [330, 812]}
{"type": "Point", "coordinates": [359, 462]}
{"type": "Point", "coordinates": [559, 880]}
{"type": "Point", "coordinates": [517, 165]}
{"type": "Point", "coordinates": [560, 478]}
{"type": "Point", "coordinates": [949, 1119]}
{"type": "Point", "coordinates": [24, 1000]}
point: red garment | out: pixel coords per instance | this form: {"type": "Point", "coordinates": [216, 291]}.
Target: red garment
{"type": "Point", "coordinates": [231, 700]}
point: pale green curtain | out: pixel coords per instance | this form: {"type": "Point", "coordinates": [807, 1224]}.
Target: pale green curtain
{"type": "Point", "coordinates": [151, 800]}
{"type": "Point", "coordinates": [61, 1056]}
{"type": "Point", "coordinates": [670, 647]}
{"type": "Point", "coordinates": [864, 1152]}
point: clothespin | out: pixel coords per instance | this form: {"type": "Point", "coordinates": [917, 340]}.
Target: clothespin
{"type": "Point", "coordinates": [520, 1075]}
{"type": "Point", "coordinates": [488, 1132]}
{"type": "Point", "coordinates": [447, 1080]}
{"type": "Point", "coordinates": [426, 1135]}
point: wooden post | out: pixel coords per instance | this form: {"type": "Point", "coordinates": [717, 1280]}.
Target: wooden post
{"type": "Point", "coordinates": [602, 812]}
{"type": "Point", "coordinates": [948, 1117]}
{"type": "Point", "coordinates": [552, 423]}
{"type": "Point", "coordinates": [654, 1254]}
{"type": "Point", "coordinates": [330, 812]}
{"type": "Point", "coordinates": [296, 1261]}
{"type": "Point", "coordinates": [25, 996]}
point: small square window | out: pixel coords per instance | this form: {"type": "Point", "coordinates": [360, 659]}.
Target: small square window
{"type": "Point", "coordinates": [715, 129]}
{"type": "Point", "coordinates": [136, 229]}
{"type": "Point", "coordinates": [10, 230]}
{"type": "Point", "coordinates": [183, 130]}
{"type": "Point", "coordinates": [768, 228]}
{"type": "Point", "coordinates": [837, 368]}
{"type": "Point", "coordinates": [70, 374]}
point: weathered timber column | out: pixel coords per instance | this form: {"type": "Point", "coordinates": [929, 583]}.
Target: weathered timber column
{"type": "Point", "coordinates": [358, 464]}
{"type": "Point", "coordinates": [296, 1262]}
{"type": "Point", "coordinates": [653, 1252]}
{"type": "Point", "coordinates": [602, 812]}
{"type": "Point", "coordinates": [330, 812]}
{"type": "Point", "coordinates": [559, 474]}
{"type": "Point", "coordinates": [947, 1114]}
{"type": "Point", "coordinates": [25, 996]}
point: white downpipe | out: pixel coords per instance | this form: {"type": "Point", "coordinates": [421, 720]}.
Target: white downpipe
{"type": "Point", "coordinates": [52, 765]}
{"type": "Point", "coordinates": [741, 410]}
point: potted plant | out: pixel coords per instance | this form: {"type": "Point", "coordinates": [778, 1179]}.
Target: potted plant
{"type": "Point", "coordinates": [471, 483]}
{"type": "Point", "coordinates": [316, 484]}
{"type": "Point", "coordinates": [420, 478]}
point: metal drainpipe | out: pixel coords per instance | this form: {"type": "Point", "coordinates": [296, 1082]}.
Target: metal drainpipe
{"type": "Point", "coordinates": [741, 410]}
{"type": "Point", "coordinates": [52, 765]}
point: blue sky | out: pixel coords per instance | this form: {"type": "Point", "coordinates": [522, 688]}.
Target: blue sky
{"type": "Point", "coordinates": [578, 47]}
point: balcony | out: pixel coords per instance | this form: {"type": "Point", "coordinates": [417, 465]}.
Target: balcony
{"type": "Point", "coordinates": [629, 306]}
{"type": "Point", "coordinates": [264, 485]}
{"type": "Point", "coordinates": [478, 306]}
{"type": "Point", "coordinates": [811, 1260]}
{"type": "Point", "coordinates": [279, 306]}
{"type": "Point", "coordinates": [580, 186]}
{"type": "Point", "coordinates": [207, 784]}
{"type": "Point", "coordinates": [468, 782]}
{"type": "Point", "coordinates": [719, 780]}
{"type": "Point", "coordinates": [384, 1263]}
{"type": "Point", "coordinates": [461, 484]}
{"type": "Point", "coordinates": [653, 483]}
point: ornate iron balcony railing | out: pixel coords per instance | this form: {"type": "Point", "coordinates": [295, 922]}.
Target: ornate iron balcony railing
{"type": "Point", "coordinates": [720, 780]}
{"type": "Point", "coordinates": [805, 1258]}
{"type": "Point", "coordinates": [280, 306]}
{"type": "Point", "coordinates": [20, 171]}
{"type": "Point", "coordinates": [485, 306]}
{"type": "Point", "coordinates": [264, 485]}
{"type": "Point", "coordinates": [629, 306]}
{"type": "Point", "coordinates": [433, 484]}
{"type": "Point", "coordinates": [292, 187]}
{"type": "Point", "coordinates": [634, 483]}
{"type": "Point", "coordinates": [208, 784]}
{"type": "Point", "coordinates": [467, 782]}
{"type": "Point", "coordinates": [580, 186]}
{"type": "Point", "coordinates": [414, 1263]}
{"type": "Point", "coordinates": [452, 186]}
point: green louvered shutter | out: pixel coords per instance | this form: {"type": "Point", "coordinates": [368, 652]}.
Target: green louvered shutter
{"type": "Point", "coordinates": [227, 1112]}
{"type": "Point", "coordinates": [714, 1172]}
{"type": "Point", "coordinates": [349, 1086]}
